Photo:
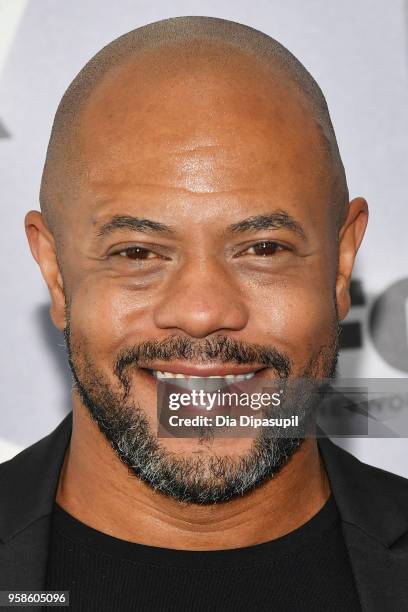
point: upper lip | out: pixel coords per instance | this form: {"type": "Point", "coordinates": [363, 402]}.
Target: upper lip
{"type": "Point", "coordinates": [204, 369]}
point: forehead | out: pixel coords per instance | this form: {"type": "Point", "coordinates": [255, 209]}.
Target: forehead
{"type": "Point", "coordinates": [209, 122]}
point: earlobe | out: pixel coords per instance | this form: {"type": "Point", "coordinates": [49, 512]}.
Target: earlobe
{"type": "Point", "coordinates": [43, 249]}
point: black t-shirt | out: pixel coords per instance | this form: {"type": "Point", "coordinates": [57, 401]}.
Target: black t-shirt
{"type": "Point", "coordinates": [307, 569]}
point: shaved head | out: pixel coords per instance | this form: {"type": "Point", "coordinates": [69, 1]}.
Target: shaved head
{"type": "Point", "coordinates": [196, 56]}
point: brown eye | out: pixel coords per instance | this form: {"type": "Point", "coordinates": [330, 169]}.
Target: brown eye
{"type": "Point", "coordinates": [265, 249]}
{"type": "Point", "coordinates": [136, 253]}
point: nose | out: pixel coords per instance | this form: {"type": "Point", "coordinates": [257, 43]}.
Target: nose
{"type": "Point", "coordinates": [200, 299]}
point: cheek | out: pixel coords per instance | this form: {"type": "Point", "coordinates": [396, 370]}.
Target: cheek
{"type": "Point", "coordinates": [296, 317]}
{"type": "Point", "coordinates": [108, 316]}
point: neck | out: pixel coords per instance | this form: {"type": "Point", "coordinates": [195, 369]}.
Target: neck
{"type": "Point", "coordinates": [95, 487]}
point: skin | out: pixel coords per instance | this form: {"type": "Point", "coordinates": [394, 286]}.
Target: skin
{"type": "Point", "coordinates": [226, 145]}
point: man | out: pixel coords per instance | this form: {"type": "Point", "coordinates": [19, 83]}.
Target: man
{"type": "Point", "coordinates": [196, 222]}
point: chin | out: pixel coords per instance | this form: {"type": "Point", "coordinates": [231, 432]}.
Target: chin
{"type": "Point", "coordinates": [221, 447]}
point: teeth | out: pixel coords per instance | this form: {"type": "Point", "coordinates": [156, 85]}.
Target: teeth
{"type": "Point", "coordinates": [229, 377]}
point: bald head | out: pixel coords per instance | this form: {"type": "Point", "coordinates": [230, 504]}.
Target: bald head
{"type": "Point", "coordinates": [224, 70]}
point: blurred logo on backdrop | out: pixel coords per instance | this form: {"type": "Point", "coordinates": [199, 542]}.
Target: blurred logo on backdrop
{"type": "Point", "coordinates": [387, 322]}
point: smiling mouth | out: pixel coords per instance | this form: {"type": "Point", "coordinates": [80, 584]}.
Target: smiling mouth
{"type": "Point", "coordinates": [229, 377]}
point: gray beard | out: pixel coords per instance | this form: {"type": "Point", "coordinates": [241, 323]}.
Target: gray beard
{"type": "Point", "coordinates": [206, 479]}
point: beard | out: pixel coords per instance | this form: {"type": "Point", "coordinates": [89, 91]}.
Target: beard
{"type": "Point", "coordinates": [195, 479]}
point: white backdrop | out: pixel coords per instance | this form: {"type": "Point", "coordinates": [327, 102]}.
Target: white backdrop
{"type": "Point", "coordinates": [356, 49]}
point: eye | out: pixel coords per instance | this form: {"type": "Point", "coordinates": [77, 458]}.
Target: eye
{"type": "Point", "coordinates": [136, 253]}
{"type": "Point", "coordinates": [266, 248]}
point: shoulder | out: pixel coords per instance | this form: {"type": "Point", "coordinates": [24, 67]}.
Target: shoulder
{"type": "Point", "coordinates": [38, 452]}
{"type": "Point", "coordinates": [30, 479]}
{"type": "Point", "coordinates": [369, 497]}
{"type": "Point", "coordinates": [338, 457]}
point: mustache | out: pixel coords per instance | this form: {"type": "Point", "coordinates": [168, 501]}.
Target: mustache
{"type": "Point", "coordinates": [221, 349]}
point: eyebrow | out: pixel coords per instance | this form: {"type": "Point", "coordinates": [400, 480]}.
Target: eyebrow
{"type": "Point", "coordinates": [137, 224]}
{"type": "Point", "coordinates": [275, 220]}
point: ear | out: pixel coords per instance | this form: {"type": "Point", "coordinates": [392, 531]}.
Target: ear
{"type": "Point", "coordinates": [350, 237]}
{"type": "Point", "coordinates": [43, 249]}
